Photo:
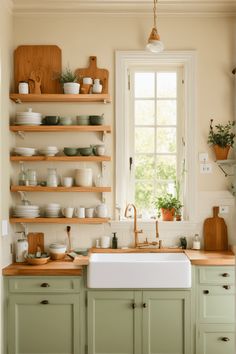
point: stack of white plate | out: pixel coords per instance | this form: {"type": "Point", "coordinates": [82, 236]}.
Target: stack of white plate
{"type": "Point", "coordinates": [27, 211]}
{"type": "Point", "coordinates": [23, 151]}
{"type": "Point", "coordinates": [28, 118]}
{"type": "Point", "coordinates": [52, 210]}
{"type": "Point", "coordinates": [49, 151]}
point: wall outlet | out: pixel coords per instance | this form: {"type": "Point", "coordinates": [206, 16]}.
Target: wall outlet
{"type": "Point", "coordinates": [224, 209]}
{"type": "Point", "coordinates": [4, 228]}
{"type": "Point", "coordinates": [205, 168]}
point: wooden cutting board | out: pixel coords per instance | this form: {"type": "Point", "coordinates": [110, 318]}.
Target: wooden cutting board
{"type": "Point", "coordinates": [35, 239]}
{"type": "Point", "coordinates": [95, 73]}
{"type": "Point", "coordinates": [215, 233]}
{"type": "Point", "coordinates": [40, 61]}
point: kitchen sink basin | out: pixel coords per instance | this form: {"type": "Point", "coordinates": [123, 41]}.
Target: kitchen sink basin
{"type": "Point", "coordinates": [139, 270]}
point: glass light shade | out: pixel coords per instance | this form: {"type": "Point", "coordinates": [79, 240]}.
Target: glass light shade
{"type": "Point", "coordinates": [155, 46]}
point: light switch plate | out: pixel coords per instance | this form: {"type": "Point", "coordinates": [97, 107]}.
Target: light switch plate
{"type": "Point", "coordinates": [203, 156]}
{"type": "Point", "coordinates": [205, 168]}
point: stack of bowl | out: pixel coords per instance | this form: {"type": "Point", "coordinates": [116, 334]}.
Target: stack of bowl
{"type": "Point", "coordinates": [49, 151]}
{"type": "Point", "coordinates": [28, 118]}
{"type": "Point", "coordinates": [23, 151]}
{"type": "Point", "coordinates": [82, 120]}
{"type": "Point", "coordinates": [26, 211]}
{"type": "Point", "coordinates": [57, 250]}
{"type": "Point", "coordinates": [52, 210]}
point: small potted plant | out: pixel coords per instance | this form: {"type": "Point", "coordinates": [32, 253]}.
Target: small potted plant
{"type": "Point", "coordinates": [167, 205]}
{"type": "Point", "coordinates": [221, 137]}
{"type": "Point", "coordinates": [69, 81]}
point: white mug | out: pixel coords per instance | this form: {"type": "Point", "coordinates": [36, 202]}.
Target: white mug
{"type": "Point", "coordinates": [105, 242]}
{"type": "Point", "coordinates": [67, 181]}
{"type": "Point", "coordinates": [67, 212]}
{"type": "Point", "coordinates": [101, 211]}
{"type": "Point", "coordinates": [89, 212]}
{"type": "Point", "coordinates": [80, 212]}
{"type": "Point", "coordinates": [87, 81]}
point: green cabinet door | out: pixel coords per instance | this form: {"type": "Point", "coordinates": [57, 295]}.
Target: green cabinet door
{"type": "Point", "coordinates": [166, 322]}
{"type": "Point", "coordinates": [114, 322]}
{"type": "Point", "coordinates": [43, 324]}
{"type": "Point", "coordinates": [215, 339]}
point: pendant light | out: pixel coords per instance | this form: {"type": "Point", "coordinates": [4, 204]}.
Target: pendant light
{"type": "Point", "coordinates": [154, 43]}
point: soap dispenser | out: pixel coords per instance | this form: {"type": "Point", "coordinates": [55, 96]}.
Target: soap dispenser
{"type": "Point", "coordinates": [114, 240]}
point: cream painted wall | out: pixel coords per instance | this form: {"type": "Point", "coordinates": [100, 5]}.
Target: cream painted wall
{"type": "Point", "coordinates": [5, 69]}
{"type": "Point", "coordinates": [79, 37]}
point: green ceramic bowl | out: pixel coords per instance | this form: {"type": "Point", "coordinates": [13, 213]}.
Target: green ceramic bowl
{"type": "Point", "coordinates": [82, 120]}
{"type": "Point", "coordinates": [69, 151]}
{"type": "Point", "coordinates": [51, 120]}
{"type": "Point", "coordinates": [96, 120]}
{"type": "Point", "coordinates": [86, 151]}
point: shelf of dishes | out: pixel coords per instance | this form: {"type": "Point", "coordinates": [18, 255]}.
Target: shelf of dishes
{"type": "Point", "coordinates": [16, 188]}
{"type": "Point", "coordinates": [61, 158]}
{"type": "Point", "coordinates": [60, 220]}
{"type": "Point", "coordinates": [61, 128]}
{"type": "Point", "coordinates": [19, 98]}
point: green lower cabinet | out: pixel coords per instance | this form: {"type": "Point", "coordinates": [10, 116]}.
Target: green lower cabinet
{"type": "Point", "coordinates": [166, 322]}
{"type": "Point", "coordinates": [138, 322]}
{"type": "Point", "coordinates": [43, 324]}
{"type": "Point", "coordinates": [113, 322]}
{"type": "Point", "coordinates": [216, 339]}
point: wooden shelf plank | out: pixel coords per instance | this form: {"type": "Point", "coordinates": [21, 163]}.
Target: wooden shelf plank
{"type": "Point", "coordinates": [45, 97]}
{"type": "Point", "coordinates": [16, 188]}
{"type": "Point", "coordinates": [61, 128]}
{"type": "Point", "coordinates": [60, 220]}
{"type": "Point", "coordinates": [61, 158]}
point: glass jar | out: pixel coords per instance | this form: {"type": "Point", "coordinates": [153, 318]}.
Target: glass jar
{"type": "Point", "coordinates": [196, 242]}
{"type": "Point", "coordinates": [52, 178]}
{"type": "Point", "coordinates": [22, 175]}
{"type": "Point", "coordinates": [31, 177]}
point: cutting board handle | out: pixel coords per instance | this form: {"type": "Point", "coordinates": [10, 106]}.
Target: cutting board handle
{"type": "Point", "coordinates": [92, 62]}
{"type": "Point", "coordinates": [215, 211]}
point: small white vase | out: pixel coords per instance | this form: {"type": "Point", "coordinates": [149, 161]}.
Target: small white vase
{"type": "Point", "coordinates": [97, 87]}
{"type": "Point", "coordinates": [71, 88]}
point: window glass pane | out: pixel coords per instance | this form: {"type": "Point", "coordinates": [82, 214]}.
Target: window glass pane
{"type": "Point", "coordinates": [144, 112]}
{"type": "Point", "coordinates": [166, 85]}
{"type": "Point", "coordinates": [166, 167]}
{"type": "Point", "coordinates": [144, 85]}
{"type": "Point", "coordinates": [166, 112]}
{"type": "Point", "coordinates": [166, 140]}
{"type": "Point", "coordinates": [144, 140]}
{"type": "Point", "coordinates": [144, 195]}
{"type": "Point", "coordinates": [144, 167]}
{"type": "Point", "coordinates": [163, 188]}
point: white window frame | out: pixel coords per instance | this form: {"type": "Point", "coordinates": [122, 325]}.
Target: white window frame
{"type": "Point", "coordinates": [124, 61]}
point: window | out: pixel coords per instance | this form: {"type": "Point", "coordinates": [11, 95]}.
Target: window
{"type": "Point", "coordinates": [155, 128]}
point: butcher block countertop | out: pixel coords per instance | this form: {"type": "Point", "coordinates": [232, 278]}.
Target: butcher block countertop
{"type": "Point", "coordinates": [69, 267]}
{"type": "Point", "coordinates": [65, 267]}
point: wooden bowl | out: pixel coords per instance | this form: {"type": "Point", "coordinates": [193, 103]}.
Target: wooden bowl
{"type": "Point", "coordinates": [37, 261]}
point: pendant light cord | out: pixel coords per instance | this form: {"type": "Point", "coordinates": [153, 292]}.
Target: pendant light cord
{"type": "Point", "coordinates": [155, 13]}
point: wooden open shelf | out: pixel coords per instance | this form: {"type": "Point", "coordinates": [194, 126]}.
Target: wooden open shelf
{"type": "Point", "coordinates": [61, 158]}
{"type": "Point", "coordinates": [60, 220]}
{"type": "Point", "coordinates": [59, 189]}
{"type": "Point", "coordinates": [61, 128]}
{"type": "Point", "coordinates": [46, 97]}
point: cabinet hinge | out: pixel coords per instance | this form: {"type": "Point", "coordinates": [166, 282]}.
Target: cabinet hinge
{"type": "Point", "coordinates": [128, 80]}
{"type": "Point", "coordinates": [182, 81]}
{"type": "Point", "coordinates": [86, 301]}
{"type": "Point", "coordinates": [86, 349]}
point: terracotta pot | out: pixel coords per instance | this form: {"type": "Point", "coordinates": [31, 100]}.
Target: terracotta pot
{"type": "Point", "coordinates": [221, 153]}
{"type": "Point", "coordinates": [168, 214]}
{"type": "Point", "coordinates": [178, 217]}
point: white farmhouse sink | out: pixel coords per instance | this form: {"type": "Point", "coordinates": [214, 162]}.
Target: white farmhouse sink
{"type": "Point", "coordinates": [139, 270]}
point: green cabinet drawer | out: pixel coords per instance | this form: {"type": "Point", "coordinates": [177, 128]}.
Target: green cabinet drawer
{"type": "Point", "coordinates": [44, 323]}
{"type": "Point", "coordinates": [215, 339]}
{"type": "Point", "coordinates": [217, 275]}
{"type": "Point", "coordinates": [44, 284]}
{"type": "Point", "coordinates": [216, 303]}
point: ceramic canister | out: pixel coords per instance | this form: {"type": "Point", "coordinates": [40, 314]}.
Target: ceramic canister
{"type": "Point", "coordinates": [84, 177]}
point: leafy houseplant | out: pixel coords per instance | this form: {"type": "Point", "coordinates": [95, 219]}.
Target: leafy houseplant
{"type": "Point", "coordinates": [221, 137]}
{"type": "Point", "coordinates": [168, 205]}
{"type": "Point", "coordinates": [69, 81]}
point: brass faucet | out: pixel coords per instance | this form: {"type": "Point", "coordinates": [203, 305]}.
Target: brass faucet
{"type": "Point", "coordinates": [138, 244]}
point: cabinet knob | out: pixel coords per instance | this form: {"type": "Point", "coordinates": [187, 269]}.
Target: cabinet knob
{"type": "Point", "coordinates": [225, 275]}
{"type": "Point", "coordinates": [226, 287]}
{"type": "Point", "coordinates": [133, 305]}
{"type": "Point", "coordinates": [225, 339]}
{"type": "Point", "coordinates": [45, 285]}
{"type": "Point", "coordinates": [206, 292]}
{"type": "Point", "coordinates": [144, 305]}
{"type": "Point", "coordinates": [44, 302]}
